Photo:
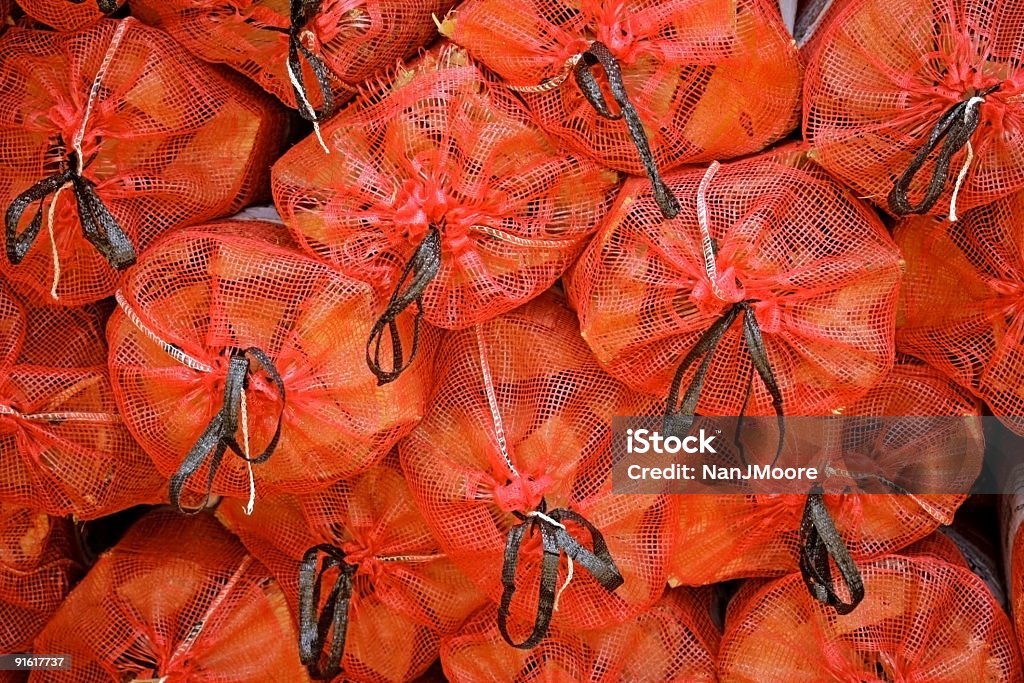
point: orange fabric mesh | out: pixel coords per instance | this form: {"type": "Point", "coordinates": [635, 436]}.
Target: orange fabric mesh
{"type": "Point", "coordinates": [710, 79]}
{"type": "Point", "coordinates": [960, 304]}
{"type": "Point", "coordinates": [36, 572]}
{"type": "Point", "coordinates": [730, 536]}
{"type": "Point", "coordinates": [65, 15]}
{"type": "Point", "coordinates": [673, 641]}
{"type": "Point", "coordinates": [407, 593]}
{"type": "Point", "coordinates": [819, 266]}
{"type": "Point", "coordinates": [215, 289]}
{"type": "Point", "coordinates": [63, 446]}
{"type": "Point", "coordinates": [883, 75]}
{"type": "Point", "coordinates": [174, 142]}
{"type": "Point", "coordinates": [442, 145]}
{"type": "Point", "coordinates": [921, 620]}
{"type": "Point", "coordinates": [356, 39]}
{"type": "Point", "coordinates": [177, 597]}
{"type": "Point", "coordinates": [551, 415]}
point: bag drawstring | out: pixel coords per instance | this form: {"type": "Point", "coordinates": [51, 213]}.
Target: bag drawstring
{"type": "Point", "coordinates": [820, 541]}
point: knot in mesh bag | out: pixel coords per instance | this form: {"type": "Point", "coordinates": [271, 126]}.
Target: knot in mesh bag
{"type": "Point", "coordinates": [64, 448]}
{"type": "Point", "coordinates": [691, 80]}
{"type": "Point", "coordinates": [239, 365]}
{"type": "Point", "coordinates": [923, 619]}
{"type": "Point", "coordinates": [674, 640]}
{"type": "Point", "coordinates": [178, 599]}
{"type": "Point", "coordinates": [69, 15]}
{"type": "Point", "coordinates": [920, 107]}
{"type": "Point", "coordinates": [512, 470]}
{"type": "Point", "coordinates": [443, 193]}
{"type": "Point", "coordinates": [962, 301]}
{"type": "Point", "coordinates": [370, 589]}
{"type": "Point", "coordinates": [111, 136]}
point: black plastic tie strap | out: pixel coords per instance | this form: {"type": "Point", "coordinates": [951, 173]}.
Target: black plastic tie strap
{"type": "Point", "coordinates": [105, 6]}
{"type": "Point", "coordinates": [419, 272]}
{"type": "Point", "coordinates": [555, 540]}
{"type": "Point", "coordinates": [598, 53]}
{"type": "Point", "coordinates": [956, 126]}
{"type": "Point", "coordinates": [98, 225]}
{"type": "Point", "coordinates": [819, 541]}
{"type": "Point", "coordinates": [302, 12]}
{"type": "Point", "coordinates": [332, 621]}
{"type": "Point", "coordinates": [219, 435]}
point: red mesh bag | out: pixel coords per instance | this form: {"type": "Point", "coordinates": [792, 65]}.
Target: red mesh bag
{"type": "Point", "coordinates": [63, 446]}
{"type": "Point", "coordinates": [177, 599]}
{"type": "Point", "coordinates": [922, 620]}
{"type": "Point", "coordinates": [673, 641]}
{"type": "Point", "coordinates": [723, 537]}
{"type": "Point", "coordinates": [1011, 517]}
{"type": "Point", "coordinates": [512, 469]}
{"type": "Point", "coordinates": [920, 106]}
{"type": "Point", "coordinates": [333, 45]}
{"type": "Point", "coordinates": [695, 80]}
{"type": "Point", "coordinates": [112, 136]}
{"type": "Point", "coordinates": [769, 265]}
{"type": "Point", "coordinates": [960, 305]}
{"type": "Point", "coordinates": [69, 15]}
{"type": "Point", "coordinates": [228, 341]}
{"type": "Point", "coordinates": [37, 568]}
{"type": "Point", "coordinates": [397, 592]}
{"type": "Point", "coordinates": [442, 191]}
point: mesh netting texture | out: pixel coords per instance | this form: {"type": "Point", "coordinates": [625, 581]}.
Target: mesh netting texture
{"type": "Point", "coordinates": [674, 640]}
{"type": "Point", "coordinates": [37, 567]}
{"type": "Point", "coordinates": [111, 136]}
{"type": "Point", "coordinates": [177, 599]}
{"type": "Point", "coordinates": [758, 241]}
{"type": "Point", "coordinates": [922, 620]}
{"type": "Point", "coordinates": [64, 448]}
{"type": "Point", "coordinates": [403, 592]}
{"type": "Point", "coordinates": [887, 83]}
{"type": "Point", "coordinates": [442, 151]}
{"type": "Point", "coordinates": [353, 40]}
{"type": "Point", "coordinates": [709, 79]}
{"type": "Point", "coordinates": [69, 15]}
{"type": "Point", "coordinates": [517, 437]}
{"type": "Point", "coordinates": [227, 335]}
{"type": "Point", "coordinates": [723, 537]}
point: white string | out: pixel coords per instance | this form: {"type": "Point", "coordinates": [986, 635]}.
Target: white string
{"type": "Point", "coordinates": [168, 348]}
{"type": "Point", "coordinates": [305, 105]}
{"type": "Point", "coordinates": [51, 211]}
{"type": "Point", "coordinates": [492, 403]}
{"type": "Point", "coordinates": [549, 520]}
{"type": "Point", "coordinates": [565, 584]}
{"type": "Point", "coordinates": [971, 104]}
{"type": "Point", "coordinates": [244, 414]}
{"type": "Point", "coordinates": [550, 83]}
{"type": "Point", "coordinates": [704, 220]}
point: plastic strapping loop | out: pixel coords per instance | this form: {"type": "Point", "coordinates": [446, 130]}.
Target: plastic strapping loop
{"type": "Point", "coordinates": [302, 12]}
{"type": "Point", "coordinates": [333, 619]}
{"type": "Point", "coordinates": [105, 6]}
{"type": "Point", "coordinates": [819, 540]}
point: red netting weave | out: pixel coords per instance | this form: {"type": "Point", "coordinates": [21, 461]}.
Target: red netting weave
{"type": "Point", "coordinates": [178, 598]}
{"type": "Point", "coordinates": [710, 79]}
{"type": "Point", "coordinates": [64, 448]}
{"type": "Point", "coordinates": [69, 15]}
{"type": "Point", "coordinates": [441, 146]}
{"type": "Point", "coordinates": [521, 417]}
{"type": "Point", "coordinates": [673, 641]}
{"type": "Point", "coordinates": [164, 140]}
{"type": "Point", "coordinates": [817, 268]}
{"type": "Point", "coordinates": [37, 568]}
{"type": "Point", "coordinates": [406, 592]}
{"type": "Point", "coordinates": [921, 620]}
{"type": "Point", "coordinates": [192, 307]}
{"type": "Point", "coordinates": [884, 74]}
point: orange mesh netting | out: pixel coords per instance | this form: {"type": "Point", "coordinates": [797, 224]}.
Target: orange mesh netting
{"type": "Point", "coordinates": [69, 15]}
{"type": "Point", "coordinates": [922, 620]}
{"type": "Point", "coordinates": [228, 338]}
{"type": "Point", "coordinates": [732, 536]}
{"type": "Point", "coordinates": [348, 41]}
{"type": "Point", "coordinates": [63, 446]}
{"type": "Point", "coordinates": [674, 640]}
{"type": "Point", "coordinates": [442, 174]}
{"type": "Point", "coordinates": [961, 305]}
{"type": "Point", "coordinates": [768, 264]}
{"type": "Point", "coordinates": [919, 105]}
{"type": "Point", "coordinates": [111, 136]}
{"type": "Point", "coordinates": [178, 599]}
{"type": "Point", "coordinates": [513, 461]}
{"type": "Point", "coordinates": [403, 592]}
{"type": "Point", "coordinates": [708, 79]}
{"type": "Point", "coordinates": [36, 572]}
